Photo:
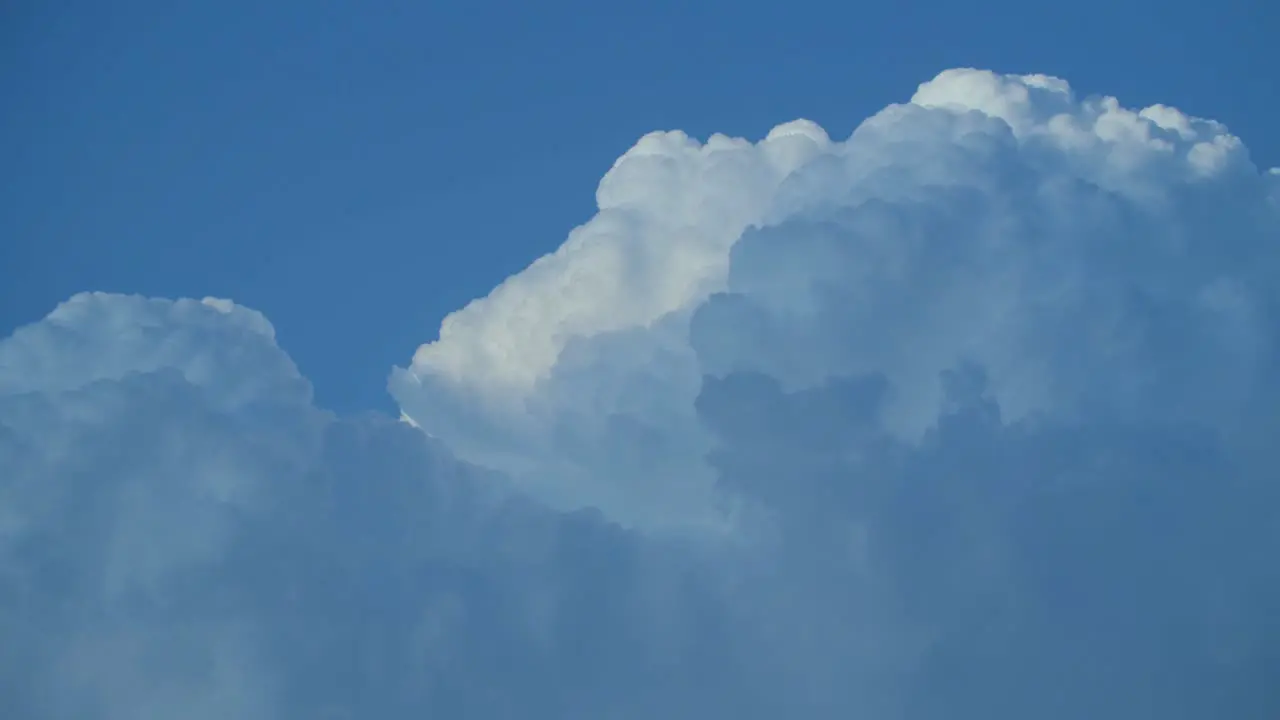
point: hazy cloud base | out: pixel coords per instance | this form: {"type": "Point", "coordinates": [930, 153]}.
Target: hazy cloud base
{"type": "Point", "coordinates": [970, 415]}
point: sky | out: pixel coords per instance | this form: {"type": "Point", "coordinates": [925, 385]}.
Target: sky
{"type": "Point", "coordinates": [696, 362]}
{"type": "Point", "coordinates": [396, 163]}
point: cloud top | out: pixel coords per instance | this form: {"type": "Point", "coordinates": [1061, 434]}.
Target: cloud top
{"type": "Point", "coordinates": [213, 343]}
{"type": "Point", "coordinates": [992, 218]}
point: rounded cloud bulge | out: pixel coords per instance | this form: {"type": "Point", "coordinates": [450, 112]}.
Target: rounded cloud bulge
{"type": "Point", "coordinates": [1086, 255]}
{"type": "Point", "coordinates": [226, 348]}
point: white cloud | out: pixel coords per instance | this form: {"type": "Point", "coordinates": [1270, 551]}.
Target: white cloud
{"type": "Point", "coordinates": [95, 336]}
{"type": "Point", "coordinates": [669, 210]}
{"type": "Point", "coordinates": [992, 218]}
{"type": "Point", "coordinates": [987, 390]}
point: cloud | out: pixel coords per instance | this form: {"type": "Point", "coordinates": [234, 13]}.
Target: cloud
{"type": "Point", "coordinates": [1066, 245]}
{"type": "Point", "coordinates": [970, 414]}
{"type": "Point", "coordinates": [227, 349]}
{"type": "Point", "coordinates": [165, 553]}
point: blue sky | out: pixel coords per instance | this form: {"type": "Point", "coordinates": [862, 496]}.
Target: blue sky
{"type": "Point", "coordinates": [356, 171]}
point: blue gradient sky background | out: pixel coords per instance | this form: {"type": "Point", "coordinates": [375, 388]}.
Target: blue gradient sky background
{"type": "Point", "coordinates": [358, 170]}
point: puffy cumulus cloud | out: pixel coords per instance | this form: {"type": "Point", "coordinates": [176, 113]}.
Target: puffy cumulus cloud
{"type": "Point", "coordinates": [165, 553]}
{"type": "Point", "coordinates": [511, 384]}
{"type": "Point", "coordinates": [214, 344]}
{"type": "Point", "coordinates": [922, 362]}
{"type": "Point", "coordinates": [978, 404]}
{"type": "Point", "coordinates": [1082, 253]}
